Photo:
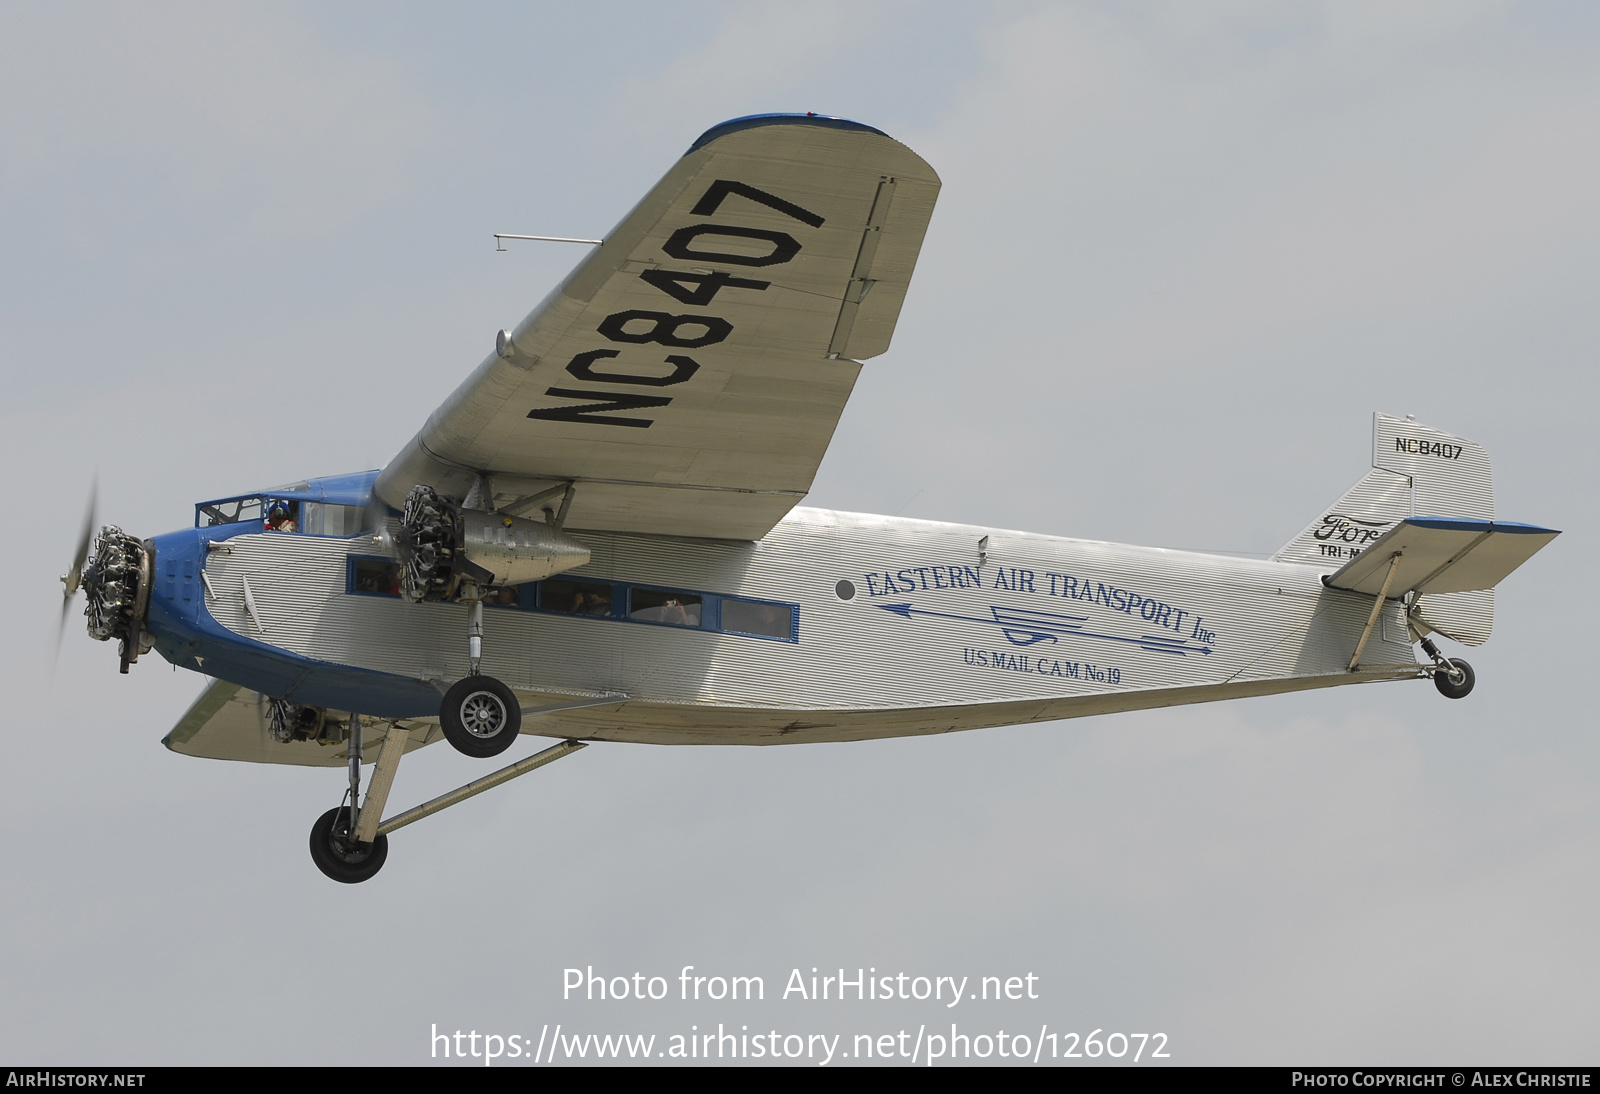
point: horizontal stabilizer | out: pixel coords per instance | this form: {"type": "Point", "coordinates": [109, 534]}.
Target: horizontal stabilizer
{"type": "Point", "coordinates": [1441, 555]}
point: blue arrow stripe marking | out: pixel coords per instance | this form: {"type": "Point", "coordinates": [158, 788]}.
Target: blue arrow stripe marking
{"type": "Point", "coordinates": [1024, 627]}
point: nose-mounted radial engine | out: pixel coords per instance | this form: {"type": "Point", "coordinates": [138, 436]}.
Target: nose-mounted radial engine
{"type": "Point", "coordinates": [116, 583]}
{"type": "Point", "coordinates": [449, 552]}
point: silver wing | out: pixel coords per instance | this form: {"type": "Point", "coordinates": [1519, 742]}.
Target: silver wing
{"type": "Point", "coordinates": [687, 377]}
{"type": "Point", "coordinates": [228, 722]}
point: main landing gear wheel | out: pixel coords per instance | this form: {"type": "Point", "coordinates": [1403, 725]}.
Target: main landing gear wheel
{"type": "Point", "coordinates": [1454, 678]}
{"type": "Point", "coordinates": [339, 856]}
{"type": "Point", "coordinates": [480, 716]}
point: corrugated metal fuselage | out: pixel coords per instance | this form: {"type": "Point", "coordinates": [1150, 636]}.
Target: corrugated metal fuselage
{"type": "Point", "coordinates": [904, 627]}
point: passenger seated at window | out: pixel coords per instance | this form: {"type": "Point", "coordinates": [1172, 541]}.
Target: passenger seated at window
{"type": "Point", "coordinates": [674, 609]}
{"type": "Point", "coordinates": [376, 576]}
{"type": "Point", "coordinates": [576, 597]}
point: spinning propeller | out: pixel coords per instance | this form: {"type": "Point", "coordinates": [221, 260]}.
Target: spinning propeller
{"type": "Point", "coordinates": [73, 578]}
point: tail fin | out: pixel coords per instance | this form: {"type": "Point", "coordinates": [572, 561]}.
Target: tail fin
{"type": "Point", "coordinates": [1416, 471]}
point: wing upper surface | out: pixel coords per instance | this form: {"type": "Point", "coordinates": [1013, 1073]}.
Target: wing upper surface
{"type": "Point", "coordinates": [687, 376]}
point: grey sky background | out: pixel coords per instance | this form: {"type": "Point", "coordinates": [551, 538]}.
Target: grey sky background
{"type": "Point", "coordinates": [1182, 253]}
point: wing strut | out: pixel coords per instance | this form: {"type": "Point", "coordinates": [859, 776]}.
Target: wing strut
{"type": "Point", "coordinates": [1377, 609]}
{"type": "Point", "coordinates": [526, 504]}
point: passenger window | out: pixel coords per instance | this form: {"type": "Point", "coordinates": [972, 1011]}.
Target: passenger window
{"type": "Point", "coordinates": [754, 617]}
{"type": "Point", "coordinates": [657, 606]}
{"type": "Point", "coordinates": [379, 576]}
{"type": "Point", "coordinates": [503, 596]}
{"type": "Point", "coordinates": [232, 511]}
{"type": "Point", "coordinates": [575, 597]}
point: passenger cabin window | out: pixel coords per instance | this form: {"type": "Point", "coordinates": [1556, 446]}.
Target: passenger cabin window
{"type": "Point", "coordinates": [660, 606]}
{"type": "Point", "coordinates": [615, 601]}
{"type": "Point", "coordinates": [370, 575]}
{"type": "Point", "coordinates": [503, 596]}
{"type": "Point", "coordinates": [755, 617]}
{"type": "Point", "coordinates": [379, 576]}
{"type": "Point", "coordinates": [575, 597]}
{"type": "Point", "coordinates": [212, 513]}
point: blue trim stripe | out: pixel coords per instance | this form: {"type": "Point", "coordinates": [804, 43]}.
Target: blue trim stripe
{"type": "Point", "coordinates": [187, 635]}
{"type": "Point", "coordinates": [1470, 524]}
{"type": "Point", "coordinates": [756, 121]}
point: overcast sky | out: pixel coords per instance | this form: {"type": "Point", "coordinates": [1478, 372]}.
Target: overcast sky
{"type": "Point", "coordinates": [1182, 252]}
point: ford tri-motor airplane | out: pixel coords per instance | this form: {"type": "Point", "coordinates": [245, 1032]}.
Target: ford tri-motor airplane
{"type": "Point", "coordinates": [597, 538]}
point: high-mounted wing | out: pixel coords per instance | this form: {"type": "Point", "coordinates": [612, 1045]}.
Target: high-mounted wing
{"type": "Point", "coordinates": [688, 375]}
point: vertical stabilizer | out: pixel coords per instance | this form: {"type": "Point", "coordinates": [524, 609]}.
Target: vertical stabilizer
{"type": "Point", "coordinates": [1416, 471]}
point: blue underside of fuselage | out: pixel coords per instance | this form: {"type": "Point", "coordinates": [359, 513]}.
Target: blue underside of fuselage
{"type": "Point", "coordinates": [187, 635]}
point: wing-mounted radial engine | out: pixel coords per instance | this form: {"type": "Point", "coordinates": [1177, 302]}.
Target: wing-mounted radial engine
{"type": "Point", "coordinates": [288, 722]}
{"type": "Point", "coordinates": [117, 582]}
{"type": "Point", "coordinates": [449, 552]}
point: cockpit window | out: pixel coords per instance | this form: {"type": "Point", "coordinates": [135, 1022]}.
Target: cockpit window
{"type": "Point", "coordinates": [283, 515]}
{"type": "Point", "coordinates": [321, 519]}
{"type": "Point", "coordinates": [232, 511]}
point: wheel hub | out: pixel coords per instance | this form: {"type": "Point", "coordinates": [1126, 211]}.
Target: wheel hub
{"type": "Point", "coordinates": [482, 714]}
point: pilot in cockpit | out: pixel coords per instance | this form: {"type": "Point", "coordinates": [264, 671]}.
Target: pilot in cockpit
{"type": "Point", "coordinates": [279, 519]}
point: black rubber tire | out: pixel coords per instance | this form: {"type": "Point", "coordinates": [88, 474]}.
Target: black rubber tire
{"type": "Point", "coordinates": [339, 858]}
{"type": "Point", "coordinates": [480, 716]}
{"type": "Point", "coordinates": [1454, 689]}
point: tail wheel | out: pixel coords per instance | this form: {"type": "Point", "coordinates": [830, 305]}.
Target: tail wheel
{"type": "Point", "coordinates": [338, 855]}
{"type": "Point", "coordinates": [1454, 678]}
{"type": "Point", "coordinates": [480, 716]}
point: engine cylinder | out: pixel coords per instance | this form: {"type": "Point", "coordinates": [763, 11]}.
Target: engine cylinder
{"type": "Point", "coordinates": [116, 585]}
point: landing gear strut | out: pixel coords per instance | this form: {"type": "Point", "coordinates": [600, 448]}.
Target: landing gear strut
{"type": "Point", "coordinates": [337, 853]}
{"type": "Point", "coordinates": [454, 551]}
{"type": "Point", "coordinates": [480, 716]}
{"type": "Point", "coordinates": [345, 842]}
{"type": "Point", "coordinates": [350, 844]}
